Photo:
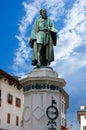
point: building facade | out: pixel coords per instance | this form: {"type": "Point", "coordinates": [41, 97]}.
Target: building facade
{"type": "Point", "coordinates": [64, 107]}
{"type": "Point", "coordinates": [81, 115]}
{"type": "Point", "coordinates": [11, 102]}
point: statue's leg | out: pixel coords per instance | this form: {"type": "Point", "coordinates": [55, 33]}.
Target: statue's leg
{"type": "Point", "coordinates": [39, 47]}
{"type": "Point", "coordinates": [34, 54]}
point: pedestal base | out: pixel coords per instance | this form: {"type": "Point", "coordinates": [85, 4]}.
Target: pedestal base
{"type": "Point", "coordinates": [42, 100]}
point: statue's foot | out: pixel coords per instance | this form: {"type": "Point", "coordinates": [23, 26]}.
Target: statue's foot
{"type": "Point", "coordinates": [34, 62]}
{"type": "Point", "coordinates": [38, 65]}
{"type": "Point", "coordinates": [48, 62]}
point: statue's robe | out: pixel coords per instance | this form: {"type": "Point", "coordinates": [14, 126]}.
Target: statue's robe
{"type": "Point", "coordinates": [44, 33]}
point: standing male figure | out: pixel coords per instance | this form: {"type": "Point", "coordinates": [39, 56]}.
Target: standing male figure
{"type": "Point", "coordinates": [43, 37]}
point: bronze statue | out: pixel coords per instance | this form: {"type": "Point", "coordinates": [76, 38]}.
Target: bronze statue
{"type": "Point", "coordinates": [43, 37]}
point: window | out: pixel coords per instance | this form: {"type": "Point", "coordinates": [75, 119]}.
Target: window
{"type": "Point", "coordinates": [0, 98]}
{"type": "Point", "coordinates": [8, 118]}
{"type": "Point", "coordinates": [63, 108]}
{"type": "Point", "coordinates": [17, 120]}
{"type": "Point", "coordinates": [10, 99]}
{"type": "Point", "coordinates": [18, 102]}
{"type": "Point", "coordinates": [63, 122]}
{"type": "Point", "coordinates": [0, 121]}
{"type": "Point", "coordinates": [84, 127]}
{"type": "Point", "coordinates": [21, 123]}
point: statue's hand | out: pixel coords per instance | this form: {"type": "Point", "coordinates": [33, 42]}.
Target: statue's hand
{"type": "Point", "coordinates": [32, 42]}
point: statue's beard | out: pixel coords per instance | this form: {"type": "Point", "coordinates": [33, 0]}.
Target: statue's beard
{"type": "Point", "coordinates": [44, 16]}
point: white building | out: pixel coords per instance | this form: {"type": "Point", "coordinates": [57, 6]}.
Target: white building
{"type": "Point", "coordinates": [11, 102]}
{"type": "Point", "coordinates": [81, 115]}
{"type": "Point", "coordinates": [64, 107]}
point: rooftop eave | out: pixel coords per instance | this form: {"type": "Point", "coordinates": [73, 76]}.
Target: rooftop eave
{"type": "Point", "coordinates": [80, 113]}
{"type": "Point", "coordinates": [11, 80]}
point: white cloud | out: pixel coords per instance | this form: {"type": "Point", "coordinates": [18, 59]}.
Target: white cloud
{"type": "Point", "coordinates": [22, 52]}
{"type": "Point", "coordinates": [56, 8]}
{"type": "Point", "coordinates": [72, 36]}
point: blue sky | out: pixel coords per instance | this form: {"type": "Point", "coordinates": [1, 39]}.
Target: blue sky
{"type": "Point", "coordinates": [69, 17]}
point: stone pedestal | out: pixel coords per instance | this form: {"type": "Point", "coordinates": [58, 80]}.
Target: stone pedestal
{"type": "Point", "coordinates": [42, 100]}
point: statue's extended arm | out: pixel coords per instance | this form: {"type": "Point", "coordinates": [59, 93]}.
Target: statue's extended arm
{"type": "Point", "coordinates": [33, 34]}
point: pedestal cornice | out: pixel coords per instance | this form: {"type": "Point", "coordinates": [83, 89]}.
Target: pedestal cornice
{"type": "Point", "coordinates": [43, 76]}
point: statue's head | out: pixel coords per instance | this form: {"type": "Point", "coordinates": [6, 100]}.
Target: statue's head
{"type": "Point", "coordinates": [43, 13]}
